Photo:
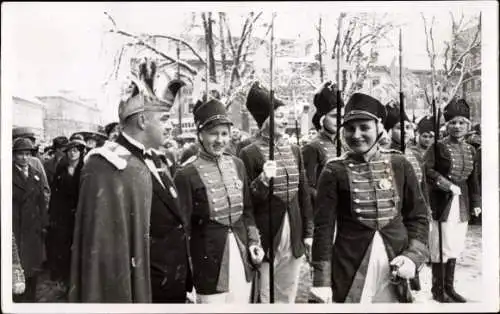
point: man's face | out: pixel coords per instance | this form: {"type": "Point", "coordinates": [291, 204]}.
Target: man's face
{"type": "Point", "coordinates": [396, 132]}
{"type": "Point", "coordinates": [426, 139]}
{"type": "Point", "coordinates": [312, 133]}
{"type": "Point", "coordinates": [235, 134]}
{"type": "Point", "coordinates": [360, 134]}
{"type": "Point", "coordinates": [156, 128]}
{"type": "Point", "coordinates": [330, 121]}
{"type": "Point", "coordinates": [21, 157]}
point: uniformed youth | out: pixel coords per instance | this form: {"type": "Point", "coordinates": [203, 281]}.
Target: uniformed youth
{"type": "Point", "coordinates": [291, 232]}
{"type": "Point", "coordinates": [215, 196]}
{"type": "Point", "coordinates": [372, 198]}
{"type": "Point", "coordinates": [454, 197]}
{"type": "Point", "coordinates": [323, 146]}
{"type": "Point", "coordinates": [425, 134]}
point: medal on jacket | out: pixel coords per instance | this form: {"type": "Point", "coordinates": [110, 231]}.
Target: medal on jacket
{"type": "Point", "coordinates": [172, 191]}
{"type": "Point", "coordinates": [238, 184]}
{"type": "Point", "coordinates": [384, 184]}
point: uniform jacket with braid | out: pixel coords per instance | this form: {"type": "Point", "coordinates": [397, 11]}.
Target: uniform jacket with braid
{"type": "Point", "coordinates": [290, 193]}
{"type": "Point", "coordinates": [215, 197]}
{"type": "Point", "coordinates": [359, 198]}
{"type": "Point", "coordinates": [453, 163]}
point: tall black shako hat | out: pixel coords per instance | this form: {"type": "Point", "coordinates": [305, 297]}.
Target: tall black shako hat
{"type": "Point", "coordinates": [362, 106]}
{"type": "Point", "coordinates": [456, 108]}
{"type": "Point", "coordinates": [259, 103]}
{"type": "Point", "coordinates": [209, 114]}
{"type": "Point", "coordinates": [425, 125]}
{"type": "Point", "coordinates": [325, 100]}
{"type": "Point", "coordinates": [393, 115]}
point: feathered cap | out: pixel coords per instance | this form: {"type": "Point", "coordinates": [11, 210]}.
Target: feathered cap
{"type": "Point", "coordinates": [325, 100]}
{"type": "Point", "coordinates": [209, 114]}
{"type": "Point", "coordinates": [362, 106]}
{"type": "Point", "coordinates": [259, 103]}
{"type": "Point", "coordinates": [140, 95]}
{"type": "Point", "coordinates": [393, 115]}
{"type": "Point", "coordinates": [456, 108]}
{"type": "Point", "coordinates": [425, 125]}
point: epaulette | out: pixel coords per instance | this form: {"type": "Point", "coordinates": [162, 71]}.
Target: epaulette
{"type": "Point", "coordinates": [189, 160]}
{"type": "Point", "coordinates": [390, 151]}
{"type": "Point", "coordinates": [113, 152]}
{"type": "Point", "coordinates": [333, 159]}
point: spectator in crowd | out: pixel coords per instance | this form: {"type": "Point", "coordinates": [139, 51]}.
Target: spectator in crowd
{"type": "Point", "coordinates": [112, 130]}
{"type": "Point", "coordinates": [50, 165]}
{"type": "Point", "coordinates": [29, 218]}
{"type": "Point", "coordinates": [291, 232]}
{"type": "Point", "coordinates": [359, 203]}
{"type": "Point", "coordinates": [214, 193]}
{"type": "Point", "coordinates": [63, 203]}
{"type": "Point", "coordinates": [33, 160]}
{"type": "Point", "coordinates": [425, 130]}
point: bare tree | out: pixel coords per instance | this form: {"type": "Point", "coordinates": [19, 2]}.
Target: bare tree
{"type": "Point", "coordinates": [209, 42]}
{"type": "Point", "coordinates": [361, 35]}
{"type": "Point", "coordinates": [458, 61]}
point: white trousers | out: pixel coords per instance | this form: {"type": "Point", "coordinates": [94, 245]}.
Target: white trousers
{"type": "Point", "coordinates": [453, 233]}
{"type": "Point", "coordinates": [377, 287]}
{"type": "Point", "coordinates": [286, 271]}
{"type": "Point", "coordinates": [239, 288]}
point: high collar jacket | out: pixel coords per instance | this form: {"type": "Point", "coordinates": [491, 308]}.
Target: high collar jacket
{"type": "Point", "coordinates": [359, 198]}
{"type": "Point", "coordinates": [290, 193]}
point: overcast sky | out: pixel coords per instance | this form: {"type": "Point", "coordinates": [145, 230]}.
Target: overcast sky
{"type": "Point", "coordinates": [55, 46]}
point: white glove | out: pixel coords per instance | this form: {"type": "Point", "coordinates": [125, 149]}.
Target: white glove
{"type": "Point", "coordinates": [477, 211]}
{"type": "Point", "coordinates": [269, 169]}
{"type": "Point", "coordinates": [18, 288]}
{"type": "Point", "coordinates": [406, 267]}
{"type": "Point", "coordinates": [256, 254]}
{"type": "Point", "coordinates": [455, 190]}
{"type": "Point", "coordinates": [308, 244]}
{"type": "Point", "coordinates": [324, 293]}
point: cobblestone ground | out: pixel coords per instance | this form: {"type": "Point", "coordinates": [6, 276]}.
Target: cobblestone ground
{"type": "Point", "coordinates": [468, 274]}
{"type": "Point", "coordinates": [468, 277]}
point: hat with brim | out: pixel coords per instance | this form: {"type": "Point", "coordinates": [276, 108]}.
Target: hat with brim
{"type": "Point", "coordinates": [91, 135]}
{"type": "Point", "coordinates": [22, 144]}
{"type": "Point", "coordinates": [23, 132]}
{"type": "Point", "coordinates": [75, 143]}
{"type": "Point", "coordinates": [364, 107]}
{"type": "Point", "coordinates": [59, 142]}
{"type": "Point", "coordinates": [210, 114]}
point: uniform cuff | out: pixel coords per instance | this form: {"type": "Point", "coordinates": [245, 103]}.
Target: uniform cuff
{"type": "Point", "coordinates": [417, 252]}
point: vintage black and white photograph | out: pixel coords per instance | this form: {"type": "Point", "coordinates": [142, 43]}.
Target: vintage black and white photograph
{"type": "Point", "coordinates": [260, 156]}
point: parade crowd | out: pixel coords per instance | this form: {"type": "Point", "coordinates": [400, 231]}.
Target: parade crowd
{"type": "Point", "coordinates": [128, 216]}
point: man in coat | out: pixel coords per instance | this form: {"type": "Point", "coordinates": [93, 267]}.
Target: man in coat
{"type": "Point", "coordinates": [29, 216]}
{"type": "Point", "coordinates": [50, 165]}
{"type": "Point", "coordinates": [130, 241]}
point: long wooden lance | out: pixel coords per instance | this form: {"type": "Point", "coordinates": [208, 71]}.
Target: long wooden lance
{"type": "Point", "coordinates": [339, 95]}
{"type": "Point", "coordinates": [179, 77]}
{"type": "Point", "coordinates": [271, 157]}
{"type": "Point", "coordinates": [401, 95]}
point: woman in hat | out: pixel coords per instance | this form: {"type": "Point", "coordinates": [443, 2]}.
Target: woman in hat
{"type": "Point", "coordinates": [324, 145]}
{"type": "Point", "coordinates": [291, 232]}
{"type": "Point", "coordinates": [28, 216]}
{"type": "Point", "coordinates": [63, 203]}
{"type": "Point", "coordinates": [425, 135]}
{"type": "Point", "coordinates": [454, 198]}
{"type": "Point", "coordinates": [214, 192]}
{"type": "Point", "coordinates": [370, 200]}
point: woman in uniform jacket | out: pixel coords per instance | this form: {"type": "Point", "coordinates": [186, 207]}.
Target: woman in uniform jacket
{"type": "Point", "coordinates": [454, 197]}
{"type": "Point", "coordinates": [28, 216]}
{"type": "Point", "coordinates": [291, 232]}
{"type": "Point", "coordinates": [323, 146]}
{"type": "Point", "coordinates": [65, 188]}
{"type": "Point", "coordinates": [214, 193]}
{"type": "Point", "coordinates": [371, 200]}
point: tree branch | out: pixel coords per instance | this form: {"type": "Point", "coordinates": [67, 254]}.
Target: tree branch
{"type": "Point", "coordinates": [472, 45]}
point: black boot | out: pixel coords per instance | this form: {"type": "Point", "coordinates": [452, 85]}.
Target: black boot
{"type": "Point", "coordinates": [449, 279]}
{"type": "Point", "coordinates": [438, 291]}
